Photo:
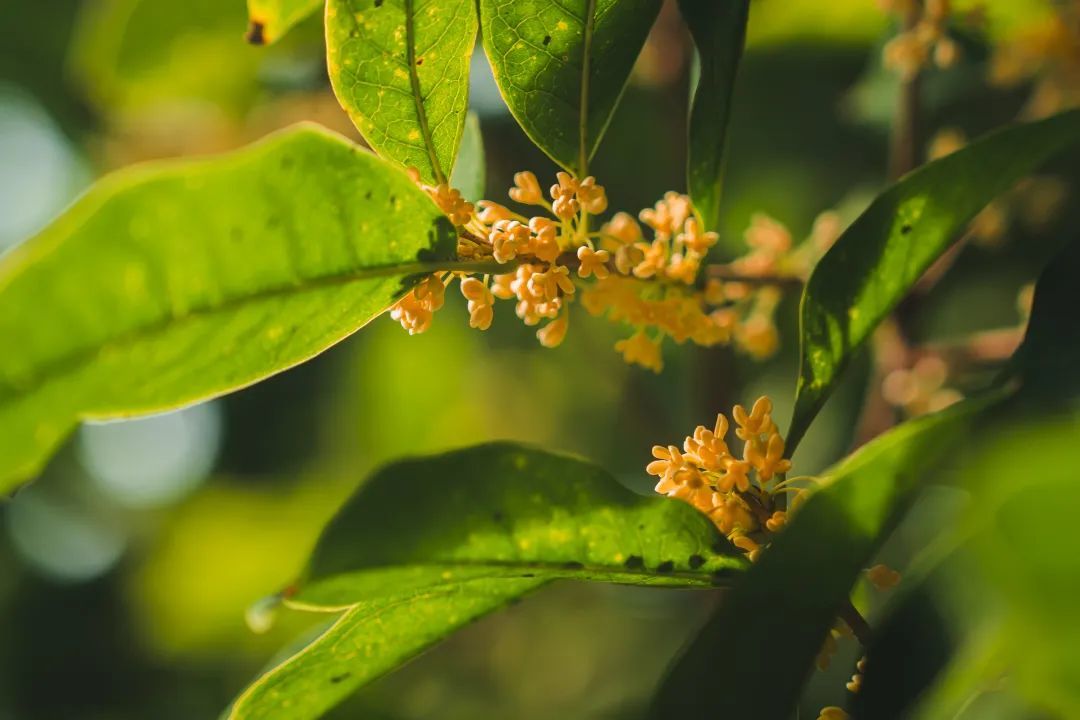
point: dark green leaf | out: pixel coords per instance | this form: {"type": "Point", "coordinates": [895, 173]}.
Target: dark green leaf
{"type": "Point", "coordinates": [369, 640]}
{"type": "Point", "coordinates": [719, 31]}
{"type": "Point", "coordinates": [506, 511]}
{"type": "Point", "coordinates": [470, 171]}
{"type": "Point", "coordinates": [910, 649]}
{"type": "Point", "coordinates": [170, 283]}
{"type": "Point", "coordinates": [561, 66]}
{"type": "Point", "coordinates": [271, 19]}
{"type": "Point", "coordinates": [885, 251]}
{"type": "Point", "coordinates": [759, 646]}
{"type": "Point", "coordinates": [401, 70]}
{"type": "Point", "coordinates": [1049, 359]}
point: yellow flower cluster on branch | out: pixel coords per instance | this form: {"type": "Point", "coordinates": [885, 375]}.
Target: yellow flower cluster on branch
{"type": "Point", "coordinates": [654, 284]}
{"type": "Point", "coordinates": [1048, 54]}
{"type": "Point", "coordinates": [926, 37]}
{"type": "Point", "coordinates": [739, 493]}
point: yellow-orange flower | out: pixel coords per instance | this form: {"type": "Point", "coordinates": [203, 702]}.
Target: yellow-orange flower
{"type": "Point", "coordinates": [593, 262]}
{"type": "Point", "coordinates": [552, 334]}
{"type": "Point", "coordinates": [640, 350]}
{"type": "Point", "coordinates": [526, 189]}
{"type": "Point", "coordinates": [883, 577]}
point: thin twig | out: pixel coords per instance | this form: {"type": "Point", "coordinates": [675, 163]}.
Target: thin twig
{"type": "Point", "coordinates": [854, 620]}
{"type": "Point", "coordinates": [891, 350]}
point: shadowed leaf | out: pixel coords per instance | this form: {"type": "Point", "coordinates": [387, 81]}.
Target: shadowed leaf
{"type": "Point", "coordinates": [719, 31]}
{"type": "Point", "coordinates": [759, 646]}
{"type": "Point", "coordinates": [470, 171]}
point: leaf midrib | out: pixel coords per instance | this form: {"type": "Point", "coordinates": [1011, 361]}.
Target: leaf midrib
{"type": "Point", "coordinates": [568, 568]}
{"type": "Point", "coordinates": [72, 361]}
{"type": "Point", "coordinates": [418, 97]}
{"type": "Point", "coordinates": [583, 109]}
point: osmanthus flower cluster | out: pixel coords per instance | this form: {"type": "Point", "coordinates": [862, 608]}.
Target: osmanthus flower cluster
{"type": "Point", "coordinates": [927, 37]}
{"type": "Point", "coordinates": [741, 494]}
{"type": "Point", "coordinates": [646, 272]}
{"type": "Point", "coordinates": [738, 492]}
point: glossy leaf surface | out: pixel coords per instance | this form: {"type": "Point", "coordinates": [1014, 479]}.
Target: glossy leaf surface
{"type": "Point", "coordinates": [506, 511]}
{"type": "Point", "coordinates": [171, 283]}
{"type": "Point", "coordinates": [562, 65]}
{"type": "Point", "coordinates": [885, 251]}
{"type": "Point", "coordinates": [719, 31]}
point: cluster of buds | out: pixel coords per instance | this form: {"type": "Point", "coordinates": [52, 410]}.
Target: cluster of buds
{"type": "Point", "coordinates": [652, 284]}
{"type": "Point", "coordinates": [920, 389]}
{"type": "Point", "coordinates": [739, 494]}
{"type": "Point", "coordinates": [415, 310]}
{"type": "Point", "coordinates": [1046, 53]}
{"type": "Point", "coordinates": [927, 37]}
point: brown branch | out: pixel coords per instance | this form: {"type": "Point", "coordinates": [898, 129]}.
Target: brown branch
{"type": "Point", "coordinates": [854, 620]}
{"type": "Point", "coordinates": [726, 273]}
{"type": "Point", "coordinates": [906, 140]}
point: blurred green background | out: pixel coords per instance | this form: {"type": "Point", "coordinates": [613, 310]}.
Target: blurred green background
{"type": "Point", "coordinates": [126, 570]}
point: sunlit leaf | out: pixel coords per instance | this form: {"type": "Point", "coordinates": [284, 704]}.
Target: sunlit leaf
{"type": "Point", "coordinates": [269, 20]}
{"type": "Point", "coordinates": [129, 54]}
{"type": "Point", "coordinates": [885, 251]}
{"type": "Point", "coordinates": [719, 31]}
{"type": "Point", "coordinates": [401, 70]}
{"type": "Point", "coordinates": [367, 641]}
{"type": "Point", "coordinates": [759, 647]}
{"type": "Point", "coordinates": [171, 283]}
{"type": "Point", "coordinates": [506, 511]}
{"type": "Point", "coordinates": [470, 171]}
{"type": "Point", "coordinates": [562, 65]}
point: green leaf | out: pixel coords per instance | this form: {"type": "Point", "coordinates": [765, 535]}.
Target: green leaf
{"type": "Point", "coordinates": [271, 19]}
{"type": "Point", "coordinates": [506, 511]}
{"type": "Point", "coordinates": [719, 32]}
{"type": "Point", "coordinates": [885, 251]}
{"type": "Point", "coordinates": [171, 283]}
{"type": "Point", "coordinates": [428, 545]}
{"type": "Point", "coordinates": [400, 68]}
{"type": "Point", "coordinates": [911, 649]}
{"type": "Point", "coordinates": [1025, 544]}
{"type": "Point", "coordinates": [1049, 358]}
{"type": "Point", "coordinates": [561, 66]}
{"type": "Point", "coordinates": [760, 644]}
{"type": "Point", "coordinates": [470, 172]}
{"type": "Point", "coordinates": [369, 640]}
{"type": "Point", "coordinates": [131, 54]}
